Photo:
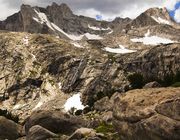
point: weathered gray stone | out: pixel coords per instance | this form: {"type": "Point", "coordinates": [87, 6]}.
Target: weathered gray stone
{"type": "Point", "coordinates": [39, 133]}
{"type": "Point", "coordinates": [9, 129]}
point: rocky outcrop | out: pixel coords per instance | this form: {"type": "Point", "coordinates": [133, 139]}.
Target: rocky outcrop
{"type": "Point", "coordinates": [152, 16]}
{"type": "Point", "coordinates": [9, 129]}
{"type": "Point", "coordinates": [152, 85]}
{"type": "Point", "coordinates": [148, 114]}
{"type": "Point", "coordinates": [104, 104]}
{"type": "Point", "coordinates": [155, 63]}
{"type": "Point", "coordinates": [54, 121]}
{"type": "Point", "coordinates": [82, 133]}
{"type": "Point", "coordinates": [39, 133]}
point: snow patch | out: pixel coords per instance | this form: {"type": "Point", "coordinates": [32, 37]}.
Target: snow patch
{"type": "Point", "coordinates": [74, 102]}
{"type": "Point", "coordinates": [152, 40]}
{"type": "Point", "coordinates": [37, 20]}
{"type": "Point", "coordinates": [43, 19]}
{"type": "Point", "coordinates": [120, 50]}
{"type": "Point", "coordinates": [72, 37]}
{"type": "Point", "coordinates": [161, 21]}
{"type": "Point", "coordinates": [93, 36]}
{"type": "Point", "coordinates": [98, 29]}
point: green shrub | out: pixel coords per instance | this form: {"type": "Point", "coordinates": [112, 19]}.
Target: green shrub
{"type": "Point", "coordinates": [136, 80]}
{"type": "Point", "coordinates": [177, 77]}
{"type": "Point", "coordinates": [105, 128]}
{"type": "Point", "coordinates": [170, 79]}
{"type": "Point", "coordinates": [177, 84]}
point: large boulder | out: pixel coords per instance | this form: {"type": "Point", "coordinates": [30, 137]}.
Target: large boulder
{"type": "Point", "coordinates": [39, 133]}
{"type": "Point", "coordinates": [9, 129]}
{"type": "Point", "coordinates": [82, 132]}
{"type": "Point", "coordinates": [152, 85]}
{"type": "Point", "coordinates": [54, 121]}
{"type": "Point", "coordinates": [103, 104]}
{"type": "Point", "coordinates": [148, 114]}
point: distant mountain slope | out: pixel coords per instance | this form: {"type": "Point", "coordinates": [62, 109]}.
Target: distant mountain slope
{"type": "Point", "coordinates": [55, 19]}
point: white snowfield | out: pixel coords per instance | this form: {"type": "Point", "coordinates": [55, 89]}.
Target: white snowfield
{"type": "Point", "coordinates": [120, 50]}
{"type": "Point", "coordinates": [93, 36]}
{"type": "Point", "coordinates": [101, 29]}
{"type": "Point", "coordinates": [43, 19]}
{"type": "Point", "coordinates": [98, 29]}
{"type": "Point", "coordinates": [161, 21]}
{"type": "Point", "coordinates": [74, 102]}
{"type": "Point", "coordinates": [152, 40]}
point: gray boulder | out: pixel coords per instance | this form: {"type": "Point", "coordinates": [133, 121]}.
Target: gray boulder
{"type": "Point", "coordinates": [54, 121]}
{"type": "Point", "coordinates": [39, 133]}
{"type": "Point", "coordinates": [152, 85]}
{"type": "Point", "coordinates": [9, 129]}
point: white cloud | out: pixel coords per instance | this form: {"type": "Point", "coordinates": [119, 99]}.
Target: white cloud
{"type": "Point", "coordinates": [177, 15]}
{"type": "Point", "coordinates": [109, 9]}
{"type": "Point", "coordinates": [5, 13]}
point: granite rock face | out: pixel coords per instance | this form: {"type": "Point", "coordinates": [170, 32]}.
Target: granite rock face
{"type": "Point", "coordinates": [42, 20]}
{"type": "Point", "coordinates": [147, 114]}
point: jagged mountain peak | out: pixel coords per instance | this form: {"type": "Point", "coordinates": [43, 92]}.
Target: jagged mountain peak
{"type": "Point", "coordinates": [159, 13]}
{"type": "Point", "coordinates": [152, 16]}
{"type": "Point", "coordinates": [62, 9]}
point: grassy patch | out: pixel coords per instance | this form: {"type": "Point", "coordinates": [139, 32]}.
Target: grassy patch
{"type": "Point", "coordinates": [108, 130]}
{"type": "Point", "coordinates": [105, 128]}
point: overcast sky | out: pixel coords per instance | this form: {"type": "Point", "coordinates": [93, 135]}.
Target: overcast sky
{"type": "Point", "coordinates": [108, 9]}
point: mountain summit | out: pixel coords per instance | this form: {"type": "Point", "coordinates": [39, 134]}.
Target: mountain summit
{"type": "Point", "coordinates": [60, 21]}
{"type": "Point", "coordinates": [54, 19]}
{"type": "Point", "coordinates": [153, 16]}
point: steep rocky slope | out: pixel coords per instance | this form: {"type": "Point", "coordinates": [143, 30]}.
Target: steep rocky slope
{"type": "Point", "coordinates": [42, 74]}
{"type": "Point", "coordinates": [55, 19]}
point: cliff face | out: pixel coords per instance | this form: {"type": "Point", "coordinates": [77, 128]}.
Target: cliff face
{"type": "Point", "coordinates": [95, 74]}
{"type": "Point", "coordinates": [156, 62]}
{"type": "Point", "coordinates": [41, 20]}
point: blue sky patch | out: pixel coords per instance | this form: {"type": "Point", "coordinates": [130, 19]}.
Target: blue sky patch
{"type": "Point", "coordinates": [177, 6]}
{"type": "Point", "coordinates": [98, 17]}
